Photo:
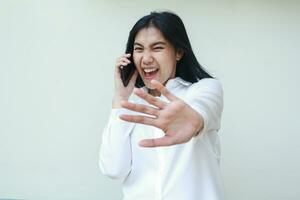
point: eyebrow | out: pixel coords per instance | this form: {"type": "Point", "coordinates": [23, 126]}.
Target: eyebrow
{"type": "Point", "coordinates": [153, 44]}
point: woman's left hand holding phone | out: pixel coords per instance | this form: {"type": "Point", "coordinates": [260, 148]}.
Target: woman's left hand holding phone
{"type": "Point", "coordinates": [121, 92]}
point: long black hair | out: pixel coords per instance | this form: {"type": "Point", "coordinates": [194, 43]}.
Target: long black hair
{"type": "Point", "coordinates": [172, 28]}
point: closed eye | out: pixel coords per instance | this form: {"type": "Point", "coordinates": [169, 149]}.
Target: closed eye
{"type": "Point", "coordinates": [138, 49]}
{"type": "Point", "coordinates": [158, 48]}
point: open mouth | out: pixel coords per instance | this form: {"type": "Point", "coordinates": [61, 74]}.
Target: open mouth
{"type": "Point", "coordinates": [150, 73]}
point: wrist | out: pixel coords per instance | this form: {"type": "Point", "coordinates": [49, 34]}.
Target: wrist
{"type": "Point", "coordinates": [199, 124]}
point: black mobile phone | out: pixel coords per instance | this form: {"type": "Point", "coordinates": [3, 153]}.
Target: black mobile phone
{"type": "Point", "coordinates": [127, 72]}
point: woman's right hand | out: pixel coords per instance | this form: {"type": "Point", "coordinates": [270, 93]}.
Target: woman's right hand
{"type": "Point", "coordinates": [122, 92]}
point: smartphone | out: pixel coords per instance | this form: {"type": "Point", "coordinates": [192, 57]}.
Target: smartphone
{"type": "Point", "coordinates": [127, 72]}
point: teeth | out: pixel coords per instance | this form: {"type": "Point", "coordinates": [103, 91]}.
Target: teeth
{"type": "Point", "coordinates": [149, 70]}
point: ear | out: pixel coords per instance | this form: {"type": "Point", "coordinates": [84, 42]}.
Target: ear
{"type": "Point", "coordinates": [179, 54]}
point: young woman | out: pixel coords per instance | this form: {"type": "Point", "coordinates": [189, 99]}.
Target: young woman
{"type": "Point", "coordinates": [161, 139]}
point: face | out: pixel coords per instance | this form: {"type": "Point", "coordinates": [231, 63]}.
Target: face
{"type": "Point", "coordinates": [154, 57]}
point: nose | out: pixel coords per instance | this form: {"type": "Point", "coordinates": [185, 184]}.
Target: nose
{"type": "Point", "coordinates": [147, 58]}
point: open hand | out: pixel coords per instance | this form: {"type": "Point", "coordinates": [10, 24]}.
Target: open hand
{"type": "Point", "coordinates": [177, 119]}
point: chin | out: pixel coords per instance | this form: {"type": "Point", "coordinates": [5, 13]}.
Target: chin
{"type": "Point", "coordinates": [148, 83]}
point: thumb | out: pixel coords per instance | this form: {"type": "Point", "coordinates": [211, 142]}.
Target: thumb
{"type": "Point", "coordinates": [157, 142]}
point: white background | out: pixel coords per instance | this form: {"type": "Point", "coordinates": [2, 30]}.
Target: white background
{"type": "Point", "coordinates": [56, 83]}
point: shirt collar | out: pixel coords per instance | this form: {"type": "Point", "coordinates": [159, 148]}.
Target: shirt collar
{"type": "Point", "coordinates": [173, 83]}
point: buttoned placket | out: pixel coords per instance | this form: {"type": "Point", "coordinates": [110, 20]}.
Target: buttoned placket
{"type": "Point", "coordinates": [160, 169]}
{"type": "Point", "coordinates": [161, 157]}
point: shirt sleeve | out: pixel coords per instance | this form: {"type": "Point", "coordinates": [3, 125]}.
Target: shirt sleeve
{"type": "Point", "coordinates": [206, 97]}
{"type": "Point", "coordinates": [115, 151]}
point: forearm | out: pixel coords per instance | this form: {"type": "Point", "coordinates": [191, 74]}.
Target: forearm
{"type": "Point", "coordinates": [115, 152]}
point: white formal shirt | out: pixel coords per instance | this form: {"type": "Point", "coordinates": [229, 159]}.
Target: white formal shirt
{"type": "Point", "coordinates": [188, 171]}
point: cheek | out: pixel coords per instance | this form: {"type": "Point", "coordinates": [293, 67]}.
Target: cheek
{"type": "Point", "coordinates": [136, 60]}
{"type": "Point", "coordinates": [170, 64]}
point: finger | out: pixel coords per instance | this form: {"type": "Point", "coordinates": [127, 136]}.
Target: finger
{"type": "Point", "coordinates": [150, 99]}
{"type": "Point", "coordinates": [163, 90]}
{"type": "Point", "coordinates": [119, 66]}
{"type": "Point", "coordinates": [140, 108]}
{"type": "Point", "coordinates": [127, 55]}
{"type": "Point", "coordinates": [139, 119]}
{"type": "Point", "coordinates": [158, 142]}
{"type": "Point", "coordinates": [122, 64]}
{"type": "Point", "coordinates": [126, 60]}
{"type": "Point", "coordinates": [124, 57]}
